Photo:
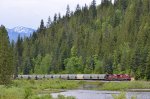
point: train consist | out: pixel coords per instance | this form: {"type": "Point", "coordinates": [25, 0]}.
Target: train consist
{"type": "Point", "coordinates": [105, 77]}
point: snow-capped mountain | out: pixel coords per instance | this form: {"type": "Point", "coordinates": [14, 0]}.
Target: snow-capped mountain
{"type": "Point", "coordinates": [20, 30]}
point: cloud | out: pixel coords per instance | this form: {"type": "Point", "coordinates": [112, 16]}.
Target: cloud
{"type": "Point", "coordinates": [29, 12]}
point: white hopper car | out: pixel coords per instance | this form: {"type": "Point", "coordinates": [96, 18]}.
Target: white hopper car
{"type": "Point", "coordinates": [65, 76]}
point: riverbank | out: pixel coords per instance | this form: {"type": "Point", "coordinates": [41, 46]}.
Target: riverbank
{"type": "Point", "coordinates": [119, 85]}
{"type": "Point", "coordinates": [126, 86]}
{"type": "Point", "coordinates": [31, 89]}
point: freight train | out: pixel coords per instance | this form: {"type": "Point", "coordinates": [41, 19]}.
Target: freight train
{"type": "Point", "coordinates": [104, 77]}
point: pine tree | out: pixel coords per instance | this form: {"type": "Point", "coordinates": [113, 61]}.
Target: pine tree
{"type": "Point", "coordinates": [124, 4]}
{"type": "Point", "coordinates": [106, 2]}
{"type": "Point", "coordinates": [18, 55]}
{"type": "Point", "coordinates": [85, 14]}
{"type": "Point", "coordinates": [42, 27]}
{"type": "Point", "coordinates": [68, 11]}
{"type": "Point", "coordinates": [55, 18]}
{"type": "Point", "coordinates": [93, 9]}
{"type": "Point", "coordinates": [78, 10]}
{"type": "Point", "coordinates": [49, 22]}
{"type": "Point", "coordinates": [6, 57]}
{"type": "Point", "coordinates": [59, 16]}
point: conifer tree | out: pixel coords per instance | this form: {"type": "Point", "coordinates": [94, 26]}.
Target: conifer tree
{"type": "Point", "coordinates": [6, 58]}
{"type": "Point", "coordinates": [55, 18]}
{"type": "Point", "coordinates": [49, 22]}
{"type": "Point", "coordinates": [18, 54]}
{"type": "Point", "coordinates": [59, 16]}
{"type": "Point", "coordinates": [78, 10]}
{"type": "Point", "coordinates": [106, 2]}
{"type": "Point", "coordinates": [42, 27]}
{"type": "Point", "coordinates": [85, 14]}
{"type": "Point", "coordinates": [68, 11]}
{"type": "Point", "coordinates": [93, 9]}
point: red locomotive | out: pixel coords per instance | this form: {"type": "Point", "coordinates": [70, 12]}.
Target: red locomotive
{"type": "Point", "coordinates": [118, 77]}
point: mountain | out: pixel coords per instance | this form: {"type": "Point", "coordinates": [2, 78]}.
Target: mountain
{"type": "Point", "coordinates": [19, 30]}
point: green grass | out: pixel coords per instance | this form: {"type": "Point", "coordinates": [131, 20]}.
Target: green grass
{"type": "Point", "coordinates": [63, 97]}
{"type": "Point", "coordinates": [11, 93]}
{"type": "Point", "coordinates": [119, 86]}
{"type": "Point", "coordinates": [30, 89]}
{"type": "Point", "coordinates": [122, 95]}
{"type": "Point", "coordinates": [46, 84]}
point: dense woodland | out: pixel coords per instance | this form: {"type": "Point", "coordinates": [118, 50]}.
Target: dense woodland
{"type": "Point", "coordinates": [111, 38]}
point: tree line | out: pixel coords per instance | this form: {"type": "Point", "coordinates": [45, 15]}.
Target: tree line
{"type": "Point", "coordinates": [108, 38]}
{"type": "Point", "coordinates": [111, 38]}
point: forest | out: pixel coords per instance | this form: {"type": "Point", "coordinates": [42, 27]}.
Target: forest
{"type": "Point", "coordinates": [110, 38]}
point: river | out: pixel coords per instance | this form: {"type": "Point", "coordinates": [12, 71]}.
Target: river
{"type": "Point", "coordinates": [91, 94]}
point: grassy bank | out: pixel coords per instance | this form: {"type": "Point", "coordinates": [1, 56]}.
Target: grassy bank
{"type": "Point", "coordinates": [119, 86]}
{"type": "Point", "coordinates": [30, 89]}
{"type": "Point", "coordinates": [41, 89]}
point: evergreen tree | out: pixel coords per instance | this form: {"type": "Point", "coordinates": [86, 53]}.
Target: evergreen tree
{"type": "Point", "coordinates": [59, 16]}
{"type": "Point", "coordinates": [55, 18]}
{"type": "Point", "coordinates": [49, 22]}
{"type": "Point", "coordinates": [18, 55]}
{"type": "Point", "coordinates": [93, 9]}
{"type": "Point", "coordinates": [78, 10]}
{"type": "Point", "coordinates": [124, 4]}
{"type": "Point", "coordinates": [6, 58]}
{"type": "Point", "coordinates": [106, 2]}
{"type": "Point", "coordinates": [68, 11]}
{"type": "Point", "coordinates": [85, 14]}
{"type": "Point", "coordinates": [42, 27]}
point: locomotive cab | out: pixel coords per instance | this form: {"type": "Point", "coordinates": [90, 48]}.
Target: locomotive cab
{"type": "Point", "coordinates": [117, 77]}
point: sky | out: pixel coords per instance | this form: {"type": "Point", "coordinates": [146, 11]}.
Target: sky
{"type": "Point", "coordinates": [28, 13]}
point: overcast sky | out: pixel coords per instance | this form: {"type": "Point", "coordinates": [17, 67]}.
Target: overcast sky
{"type": "Point", "coordinates": [28, 13]}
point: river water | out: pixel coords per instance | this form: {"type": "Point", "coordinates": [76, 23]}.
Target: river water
{"type": "Point", "coordinates": [91, 94]}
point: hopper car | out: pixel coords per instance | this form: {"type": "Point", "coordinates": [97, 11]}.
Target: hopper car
{"type": "Point", "coordinates": [104, 77]}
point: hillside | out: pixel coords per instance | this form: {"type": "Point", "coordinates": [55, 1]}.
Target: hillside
{"type": "Point", "coordinates": [108, 38]}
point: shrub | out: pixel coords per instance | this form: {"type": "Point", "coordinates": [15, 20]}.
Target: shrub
{"type": "Point", "coordinates": [63, 97]}
{"type": "Point", "coordinates": [41, 97]}
{"type": "Point", "coordinates": [122, 95]}
{"type": "Point", "coordinates": [28, 93]}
